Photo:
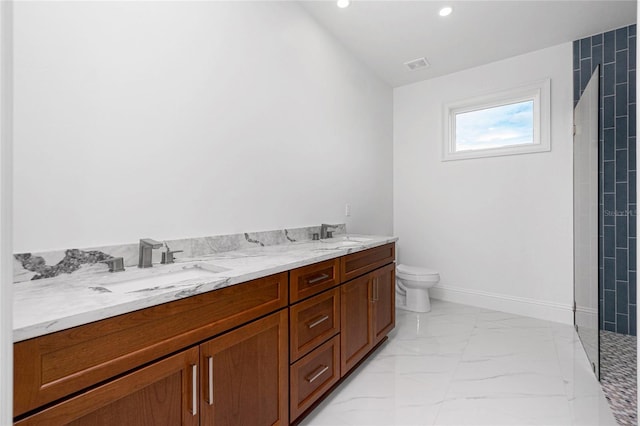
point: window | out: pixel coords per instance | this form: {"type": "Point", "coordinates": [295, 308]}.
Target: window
{"type": "Point", "coordinates": [511, 122]}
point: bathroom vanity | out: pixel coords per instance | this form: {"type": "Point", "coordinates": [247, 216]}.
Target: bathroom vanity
{"type": "Point", "coordinates": [259, 352]}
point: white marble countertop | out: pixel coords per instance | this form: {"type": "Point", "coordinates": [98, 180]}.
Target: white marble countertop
{"type": "Point", "coordinates": [92, 294]}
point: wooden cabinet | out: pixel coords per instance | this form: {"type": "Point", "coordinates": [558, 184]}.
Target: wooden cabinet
{"type": "Point", "coordinates": [258, 353]}
{"type": "Point", "coordinates": [367, 313]}
{"type": "Point", "coordinates": [55, 365]}
{"type": "Point", "coordinates": [244, 378]}
{"type": "Point", "coordinates": [161, 394]}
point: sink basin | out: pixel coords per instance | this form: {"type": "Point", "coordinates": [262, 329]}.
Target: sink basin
{"type": "Point", "coordinates": [165, 280]}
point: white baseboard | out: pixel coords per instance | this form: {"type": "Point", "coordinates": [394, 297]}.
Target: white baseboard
{"type": "Point", "coordinates": [541, 309]}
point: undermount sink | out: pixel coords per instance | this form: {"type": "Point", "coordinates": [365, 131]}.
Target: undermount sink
{"type": "Point", "coordinates": [170, 279]}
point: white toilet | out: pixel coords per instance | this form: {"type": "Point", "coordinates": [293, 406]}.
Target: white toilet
{"type": "Point", "coordinates": [412, 287]}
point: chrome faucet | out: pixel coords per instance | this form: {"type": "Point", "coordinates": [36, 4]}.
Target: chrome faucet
{"type": "Point", "coordinates": [146, 251]}
{"type": "Point", "coordinates": [324, 230]}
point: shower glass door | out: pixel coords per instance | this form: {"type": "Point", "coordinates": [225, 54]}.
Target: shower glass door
{"type": "Point", "coordinates": [585, 221]}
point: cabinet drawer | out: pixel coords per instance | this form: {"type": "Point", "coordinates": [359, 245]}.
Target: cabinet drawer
{"type": "Point", "coordinates": [313, 321]}
{"type": "Point", "coordinates": [313, 375]}
{"type": "Point", "coordinates": [313, 279]}
{"type": "Point", "coordinates": [356, 264]}
{"type": "Point", "coordinates": [53, 366]}
{"type": "Point", "coordinates": [162, 393]}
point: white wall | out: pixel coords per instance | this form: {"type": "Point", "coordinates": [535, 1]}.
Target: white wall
{"type": "Point", "coordinates": [6, 260]}
{"type": "Point", "coordinates": [179, 119]}
{"type": "Point", "coordinates": [499, 230]}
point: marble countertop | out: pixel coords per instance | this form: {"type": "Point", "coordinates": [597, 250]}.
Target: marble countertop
{"type": "Point", "coordinates": [92, 294]}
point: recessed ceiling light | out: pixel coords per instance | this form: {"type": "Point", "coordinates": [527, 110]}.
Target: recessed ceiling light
{"type": "Point", "coordinates": [445, 11]}
{"type": "Point", "coordinates": [343, 3]}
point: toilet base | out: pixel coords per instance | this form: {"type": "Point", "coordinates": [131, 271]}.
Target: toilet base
{"type": "Point", "coordinates": [417, 300]}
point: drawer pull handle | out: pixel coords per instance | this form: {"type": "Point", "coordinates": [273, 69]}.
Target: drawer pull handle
{"type": "Point", "coordinates": [194, 389]}
{"type": "Point", "coordinates": [319, 372]}
{"type": "Point", "coordinates": [318, 321]}
{"type": "Point", "coordinates": [318, 279]}
{"type": "Point", "coordinates": [210, 359]}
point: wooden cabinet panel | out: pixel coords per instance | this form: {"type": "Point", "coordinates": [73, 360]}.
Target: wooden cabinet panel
{"type": "Point", "coordinates": [157, 395]}
{"type": "Point", "coordinates": [313, 279]}
{"type": "Point", "coordinates": [55, 365]}
{"type": "Point", "coordinates": [355, 332]}
{"type": "Point", "coordinates": [356, 264]}
{"type": "Point", "coordinates": [313, 321]}
{"type": "Point", "coordinates": [384, 301]}
{"type": "Point", "coordinates": [313, 375]}
{"type": "Point", "coordinates": [245, 374]}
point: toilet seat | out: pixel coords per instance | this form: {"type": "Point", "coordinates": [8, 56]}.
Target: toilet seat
{"type": "Point", "coordinates": [417, 273]}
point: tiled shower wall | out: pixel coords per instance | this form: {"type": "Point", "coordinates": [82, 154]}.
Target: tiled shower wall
{"type": "Point", "coordinates": [615, 52]}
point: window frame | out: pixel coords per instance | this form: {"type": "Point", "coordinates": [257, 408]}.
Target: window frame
{"type": "Point", "coordinates": [539, 92]}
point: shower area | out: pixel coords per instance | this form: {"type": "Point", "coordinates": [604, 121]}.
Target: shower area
{"type": "Point", "coordinates": [605, 212]}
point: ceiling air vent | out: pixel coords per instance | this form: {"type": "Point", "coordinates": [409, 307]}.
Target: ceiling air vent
{"type": "Point", "coordinates": [416, 64]}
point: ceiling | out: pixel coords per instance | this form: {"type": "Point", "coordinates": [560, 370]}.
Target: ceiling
{"type": "Point", "coordinates": [384, 34]}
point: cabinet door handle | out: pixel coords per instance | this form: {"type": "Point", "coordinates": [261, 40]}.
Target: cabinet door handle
{"type": "Point", "coordinates": [375, 289]}
{"type": "Point", "coordinates": [318, 321]}
{"type": "Point", "coordinates": [318, 279]}
{"type": "Point", "coordinates": [210, 360]}
{"type": "Point", "coordinates": [194, 389]}
{"type": "Point", "coordinates": [317, 373]}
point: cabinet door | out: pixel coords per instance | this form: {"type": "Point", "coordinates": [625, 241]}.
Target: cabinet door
{"type": "Point", "coordinates": [355, 330]}
{"type": "Point", "coordinates": [163, 393]}
{"type": "Point", "coordinates": [383, 283]}
{"type": "Point", "coordinates": [245, 377]}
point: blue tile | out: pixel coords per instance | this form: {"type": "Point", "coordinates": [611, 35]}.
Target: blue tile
{"type": "Point", "coordinates": [610, 326]}
{"type": "Point", "coordinates": [622, 66]}
{"type": "Point", "coordinates": [609, 177]}
{"type": "Point", "coordinates": [585, 48]}
{"type": "Point", "coordinates": [632, 320]}
{"type": "Point", "coordinates": [621, 133]}
{"type": "Point", "coordinates": [585, 73]}
{"type": "Point", "coordinates": [576, 55]}
{"type": "Point", "coordinates": [609, 136]}
{"type": "Point", "coordinates": [596, 57]}
{"type": "Point", "coordinates": [632, 221]}
{"type": "Point", "coordinates": [622, 234]}
{"type": "Point", "coordinates": [632, 119]}
{"type": "Point", "coordinates": [596, 40]}
{"type": "Point", "coordinates": [621, 100]}
{"type": "Point", "coordinates": [609, 306]}
{"type": "Point", "coordinates": [609, 112]}
{"type": "Point", "coordinates": [632, 30]}
{"type": "Point", "coordinates": [609, 47]}
{"type": "Point", "coordinates": [622, 265]}
{"type": "Point", "coordinates": [609, 84]}
{"type": "Point", "coordinates": [622, 38]}
{"type": "Point", "coordinates": [632, 87]}
{"type": "Point", "coordinates": [609, 273]}
{"type": "Point", "coordinates": [632, 153]}
{"type": "Point", "coordinates": [622, 297]}
{"type": "Point", "coordinates": [632, 187]}
{"type": "Point", "coordinates": [621, 165]}
{"type": "Point", "coordinates": [622, 203]}
{"type": "Point", "coordinates": [622, 324]}
{"type": "Point", "coordinates": [576, 87]}
{"type": "Point", "coordinates": [632, 254]}
{"type": "Point", "coordinates": [632, 53]}
{"type": "Point", "coordinates": [632, 286]}
{"type": "Point", "coordinates": [609, 241]}
{"type": "Point", "coordinates": [609, 209]}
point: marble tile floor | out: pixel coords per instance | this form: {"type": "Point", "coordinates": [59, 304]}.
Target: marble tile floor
{"type": "Point", "coordinates": [462, 365]}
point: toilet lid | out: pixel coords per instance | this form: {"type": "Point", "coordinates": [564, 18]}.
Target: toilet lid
{"type": "Point", "coordinates": [415, 270]}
